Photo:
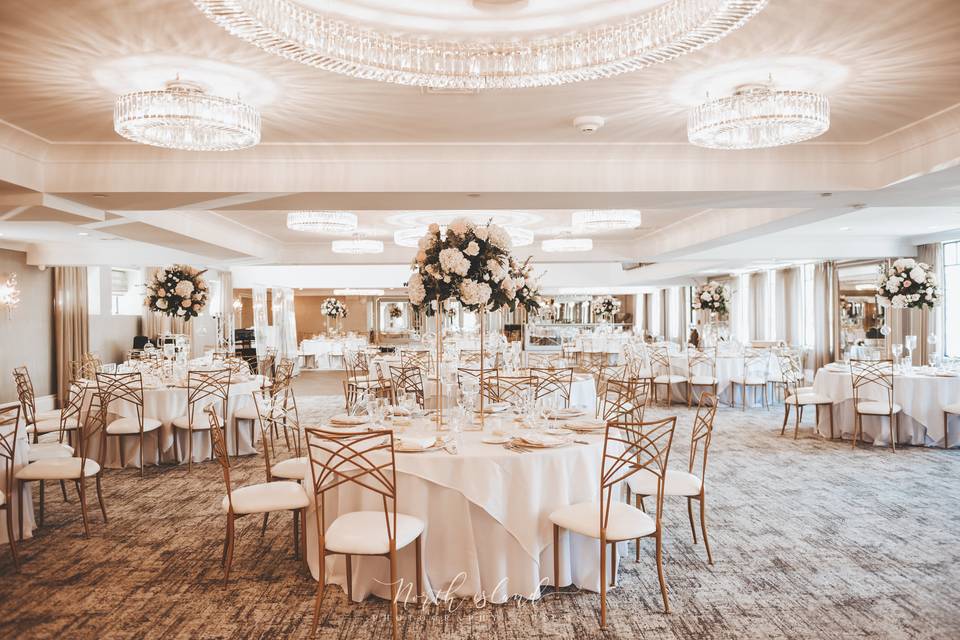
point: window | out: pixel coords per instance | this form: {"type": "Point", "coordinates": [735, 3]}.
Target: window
{"type": "Point", "coordinates": [93, 291]}
{"type": "Point", "coordinates": [126, 292]}
{"type": "Point", "coordinates": [951, 298]}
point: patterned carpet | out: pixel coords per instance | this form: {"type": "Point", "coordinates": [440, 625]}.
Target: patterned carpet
{"type": "Point", "coordinates": [810, 539]}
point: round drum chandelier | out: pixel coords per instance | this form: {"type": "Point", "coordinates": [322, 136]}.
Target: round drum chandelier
{"type": "Point", "coordinates": [519, 236]}
{"type": "Point", "coordinates": [295, 30]}
{"type": "Point", "coordinates": [183, 116]}
{"type": "Point", "coordinates": [758, 117]}
{"type": "Point", "coordinates": [336, 222]}
{"type": "Point", "coordinates": [595, 220]}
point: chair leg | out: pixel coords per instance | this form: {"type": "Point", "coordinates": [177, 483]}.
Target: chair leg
{"type": "Point", "coordinates": [894, 428]}
{"type": "Point", "coordinates": [321, 589]}
{"type": "Point", "coordinates": [141, 453]}
{"type": "Point", "coordinates": [103, 507]}
{"type": "Point", "coordinates": [856, 429]}
{"type": "Point", "coordinates": [613, 564]}
{"type": "Point", "coordinates": [296, 534]}
{"type": "Point", "coordinates": [11, 539]}
{"type": "Point", "coordinates": [20, 488]}
{"type": "Point", "coordinates": [786, 416]}
{"type": "Point", "coordinates": [639, 505]}
{"type": "Point", "coordinates": [603, 581]}
{"type": "Point", "coordinates": [176, 446]}
{"type": "Point", "coordinates": [349, 560]}
{"type": "Point", "coordinates": [419, 565]}
{"type": "Point", "coordinates": [796, 426]}
{"type": "Point", "coordinates": [63, 490]}
{"type": "Point", "coordinates": [393, 593]}
{"type": "Point", "coordinates": [263, 529]}
{"type": "Point", "coordinates": [556, 558]}
{"type": "Point", "coordinates": [228, 553]}
{"type": "Point", "coordinates": [189, 447]}
{"type": "Point", "coordinates": [42, 485]}
{"type": "Point", "coordinates": [663, 584]}
{"type": "Point", "coordinates": [82, 490]}
{"type": "Point", "coordinates": [946, 432]}
{"type": "Point", "coordinates": [693, 527]}
{"type": "Point", "coordinates": [123, 462]}
{"type": "Point", "coordinates": [743, 396]}
{"type": "Point", "coordinates": [703, 526]}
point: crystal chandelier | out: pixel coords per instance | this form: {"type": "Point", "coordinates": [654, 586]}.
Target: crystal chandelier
{"type": "Point", "coordinates": [338, 222]}
{"type": "Point", "coordinates": [567, 245]}
{"type": "Point", "coordinates": [183, 116]}
{"type": "Point", "coordinates": [757, 117]}
{"type": "Point", "coordinates": [9, 294]}
{"type": "Point", "coordinates": [357, 246]}
{"type": "Point", "coordinates": [639, 39]}
{"type": "Point", "coordinates": [605, 220]}
{"type": "Point", "coordinates": [519, 236]}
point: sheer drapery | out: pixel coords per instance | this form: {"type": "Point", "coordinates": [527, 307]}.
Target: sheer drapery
{"type": "Point", "coordinates": [648, 313]}
{"type": "Point", "coordinates": [931, 321]}
{"type": "Point", "coordinates": [663, 326]}
{"type": "Point", "coordinates": [788, 287]}
{"type": "Point", "coordinates": [826, 305]}
{"type": "Point", "coordinates": [261, 324]}
{"type": "Point", "coordinates": [227, 323]}
{"type": "Point", "coordinates": [683, 300]}
{"type": "Point", "coordinates": [71, 322]}
{"type": "Point", "coordinates": [757, 317]}
{"type": "Point", "coordinates": [285, 323]}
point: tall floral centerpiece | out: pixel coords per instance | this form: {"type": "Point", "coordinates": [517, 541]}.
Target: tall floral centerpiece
{"type": "Point", "coordinates": [333, 309]}
{"type": "Point", "coordinates": [711, 297]}
{"type": "Point", "coordinates": [606, 307]}
{"type": "Point", "coordinates": [469, 264]}
{"type": "Point", "coordinates": [909, 284]}
{"type": "Point", "coordinates": [179, 291]}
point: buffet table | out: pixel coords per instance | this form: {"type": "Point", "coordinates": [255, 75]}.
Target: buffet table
{"type": "Point", "coordinates": [922, 394]}
{"type": "Point", "coordinates": [486, 511]}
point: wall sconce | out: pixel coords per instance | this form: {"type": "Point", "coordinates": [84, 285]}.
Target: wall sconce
{"type": "Point", "coordinates": [9, 293]}
{"type": "Point", "coordinates": [237, 305]}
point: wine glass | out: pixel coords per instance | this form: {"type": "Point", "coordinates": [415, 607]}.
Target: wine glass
{"type": "Point", "coordinates": [897, 351]}
{"type": "Point", "coordinates": [910, 342]}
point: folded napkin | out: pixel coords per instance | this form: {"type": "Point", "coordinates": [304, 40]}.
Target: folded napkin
{"type": "Point", "coordinates": [585, 425]}
{"type": "Point", "coordinates": [399, 411]}
{"type": "Point", "coordinates": [345, 420]}
{"type": "Point", "coordinates": [561, 414]}
{"type": "Point", "coordinates": [494, 407]}
{"type": "Point", "coordinates": [414, 443]}
{"type": "Point", "coordinates": [542, 439]}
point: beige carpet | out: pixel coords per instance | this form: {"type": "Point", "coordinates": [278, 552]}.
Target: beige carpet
{"type": "Point", "coordinates": [810, 539]}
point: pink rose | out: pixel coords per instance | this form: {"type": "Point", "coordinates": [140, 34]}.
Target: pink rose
{"type": "Point", "coordinates": [906, 283]}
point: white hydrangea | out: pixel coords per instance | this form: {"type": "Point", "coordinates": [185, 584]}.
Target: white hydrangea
{"type": "Point", "coordinates": [415, 289]}
{"type": "Point", "coordinates": [460, 227]}
{"type": "Point", "coordinates": [453, 261]}
{"type": "Point", "coordinates": [899, 301]}
{"type": "Point", "coordinates": [497, 271]}
{"type": "Point", "coordinates": [905, 264]}
{"type": "Point", "coordinates": [499, 237]}
{"type": "Point", "coordinates": [893, 284]}
{"type": "Point", "coordinates": [184, 288]}
{"type": "Point", "coordinates": [481, 232]}
{"type": "Point", "coordinates": [472, 249]}
{"type": "Point", "coordinates": [473, 293]}
{"type": "Point", "coordinates": [917, 274]}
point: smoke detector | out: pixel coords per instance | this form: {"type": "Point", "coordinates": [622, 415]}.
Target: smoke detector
{"type": "Point", "coordinates": [588, 124]}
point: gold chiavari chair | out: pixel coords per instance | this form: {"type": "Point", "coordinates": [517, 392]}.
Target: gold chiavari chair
{"type": "Point", "coordinates": [690, 484]}
{"type": "Point", "coordinates": [9, 421]}
{"type": "Point", "coordinates": [874, 373]}
{"type": "Point", "coordinates": [625, 401]}
{"type": "Point", "coordinates": [628, 449]}
{"type": "Point", "coordinates": [949, 410]}
{"type": "Point", "coordinates": [661, 371]}
{"type": "Point", "coordinates": [697, 361]}
{"type": "Point", "coordinates": [367, 461]}
{"type": "Point", "coordinates": [798, 396]}
{"type": "Point", "coordinates": [541, 360]}
{"type": "Point", "coordinates": [489, 386]}
{"type": "Point", "coordinates": [28, 400]}
{"type": "Point", "coordinates": [266, 364]}
{"type": "Point", "coordinates": [264, 498]}
{"type": "Point", "coordinates": [470, 358]}
{"type": "Point", "coordinates": [204, 388]}
{"type": "Point", "coordinates": [284, 403]}
{"type": "Point", "coordinates": [408, 379]}
{"type": "Point", "coordinates": [419, 358]}
{"type": "Point", "coordinates": [511, 389]}
{"type": "Point", "coordinates": [88, 463]}
{"type": "Point", "coordinates": [636, 364]}
{"type": "Point", "coordinates": [754, 374]}
{"type": "Point", "coordinates": [127, 388]}
{"type": "Point", "coordinates": [553, 381]}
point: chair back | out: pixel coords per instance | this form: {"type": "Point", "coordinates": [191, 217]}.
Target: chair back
{"type": "Point", "coordinates": [791, 371]}
{"type": "Point", "coordinates": [21, 378]}
{"type": "Point", "coordinates": [702, 433]}
{"type": "Point", "coordinates": [631, 447]}
{"type": "Point", "coordinates": [489, 386]}
{"type": "Point", "coordinates": [872, 373]}
{"type": "Point", "coordinates": [408, 379]}
{"type": "Point", "coordinates": [356, 364]}
{"type": "Point", "coordinates": [756, 362]}
{"type": "Point", "coordinates": [206, 388]}
{"type": "Point", "coordinates": [698, 360]}
{"type": "Point", "coordinates": [625, 401]}
{"type": "Point", "coordinates": [122, 387]}
{"type": "Point", "coordinates": [415, 358]}
{"type": "Point", "coordinates": [659, 360]}
{"type": "Point", "coordinates": [512, 389]}
{"type": "Point", "coordinates": [9, 423]}
{"type": "Point", "coordinates": [553, 381]}
{"type": "Point", "coordinates": [364, 459]}
{"type": "Point", "coordinates": [219, 443]}
{"type": "Point", "coordinates": [237, 365]}
{"type": "Point", "coordinates": [92, 433]}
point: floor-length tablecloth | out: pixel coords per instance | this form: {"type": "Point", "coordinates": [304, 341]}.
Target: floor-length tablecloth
{"type": "Point", "coordinates": [13, 500]}
{"type": "Point", "coordinates": [921, 396]}
{"type": "Point", "coordinates": [487, 521]}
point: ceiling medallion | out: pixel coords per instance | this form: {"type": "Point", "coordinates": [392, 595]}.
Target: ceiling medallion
{"type": "Point", "coordinates": [291, 29]}
{"type": "Point", "coordinates": [596, 220]}
{"type": "Point", "coordinates": [758, 117]}
{"type": "Point", "coordinates": [567, 245]}
{"type": "Point", "coordinates": [357, 246]}
{"type": "Point", "coordinates": [337, 222]}
{"type": "Point", "coordinates": [183, 116]}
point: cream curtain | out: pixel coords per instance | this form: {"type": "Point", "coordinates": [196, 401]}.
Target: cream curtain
{"type": "Point", "coordinates": [758, 306]}
{"type": "Point", "coordinates": [71, 322]}
{"type": "Point", "coordinates": [663, 326]}
{"type": "Point", "coordinates": [826, 303]}
{"type": "Point", "coordinates": [789, 304]}
{"type": "Point", "coordinates": [683, 300]}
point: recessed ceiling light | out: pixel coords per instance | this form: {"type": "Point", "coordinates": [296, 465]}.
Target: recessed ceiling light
{"type": "Point", "coordinates": [83, 233]}
{"type": "Point", "coordinates": [844, 228]}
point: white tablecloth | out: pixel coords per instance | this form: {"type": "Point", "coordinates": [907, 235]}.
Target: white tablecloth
{"type": "Point", "coordinates": [487, 521]}
{"type": "Point", "coordinates": [168, 403]}
{"type": "Point", "coordinates": [921, 396]}
{"type": "Point", "coordinates": [13, 500]}
{"type": "Point", "coordinates": [328, 352]}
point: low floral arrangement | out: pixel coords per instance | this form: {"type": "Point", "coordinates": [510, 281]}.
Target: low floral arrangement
{"type": "Point", "coordinates": [395, 312]}
{"type": "Point", "coordinates": [606, 306]}
{"type": "Point", "coordinates": [179, 291]}
{"type": "Point", "coordinates": [333, 308]}
{"type": "Point", "coordinates": [711, 296]}
{"type": "Point", "coordinates": [470, 264]}
{"type": "Point", "coordinates": [909, 284]}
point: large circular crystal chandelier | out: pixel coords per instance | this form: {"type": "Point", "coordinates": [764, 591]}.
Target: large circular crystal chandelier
{"type": "Point", "coordinates": [183, 116]}
{"type": "Point", "coordinates": [336, 222]}
{"type": "Point", "coordinates": [327, 40]}
{"type": "Point", "coordinates": [519, 236]}
{"type": "Point", "coordinates": [605, 220]}
{"type": "Point", "coordinates": [357, 246]}
{"type": "Point", "coordinates": [757, 117]}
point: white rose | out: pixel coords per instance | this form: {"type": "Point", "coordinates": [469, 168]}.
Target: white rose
{"type": "Point", "coordinates": [421, 257]}
{"type": "Point", "coordinates": [185, 304]}
{"type": "Point", "coordinates": [917, 274]}
{"type": "Point", "coordinates": [162, 303]}
{"type": "Point", "coordinates": [481, 233]}
{"type": "Point", "coordinates": [453, 261]}
{"type": "Point", "coordinates": [184, 288]}
{"type": "Point", "coordinates": [472, 249]}
{"type": "Point", "coordinates": [500, 238]}
{"type": "Point", "coordinates": [459, 227]}
{"type": "Point", "coordinates": [705, 295]}
{"type": "Point", "coordinates": [899, 301]}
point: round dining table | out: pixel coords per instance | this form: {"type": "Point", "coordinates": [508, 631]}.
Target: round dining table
{"type": "Point", "coordinates": [168, 402]}
{"type": "Point", "coordinates": [922, 393]}
{"type": "Point", "coordinates": [486, 512]}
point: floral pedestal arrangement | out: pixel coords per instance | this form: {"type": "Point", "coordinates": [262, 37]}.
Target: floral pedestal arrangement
{"type": "Point", "coordinates": [179, 291]}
